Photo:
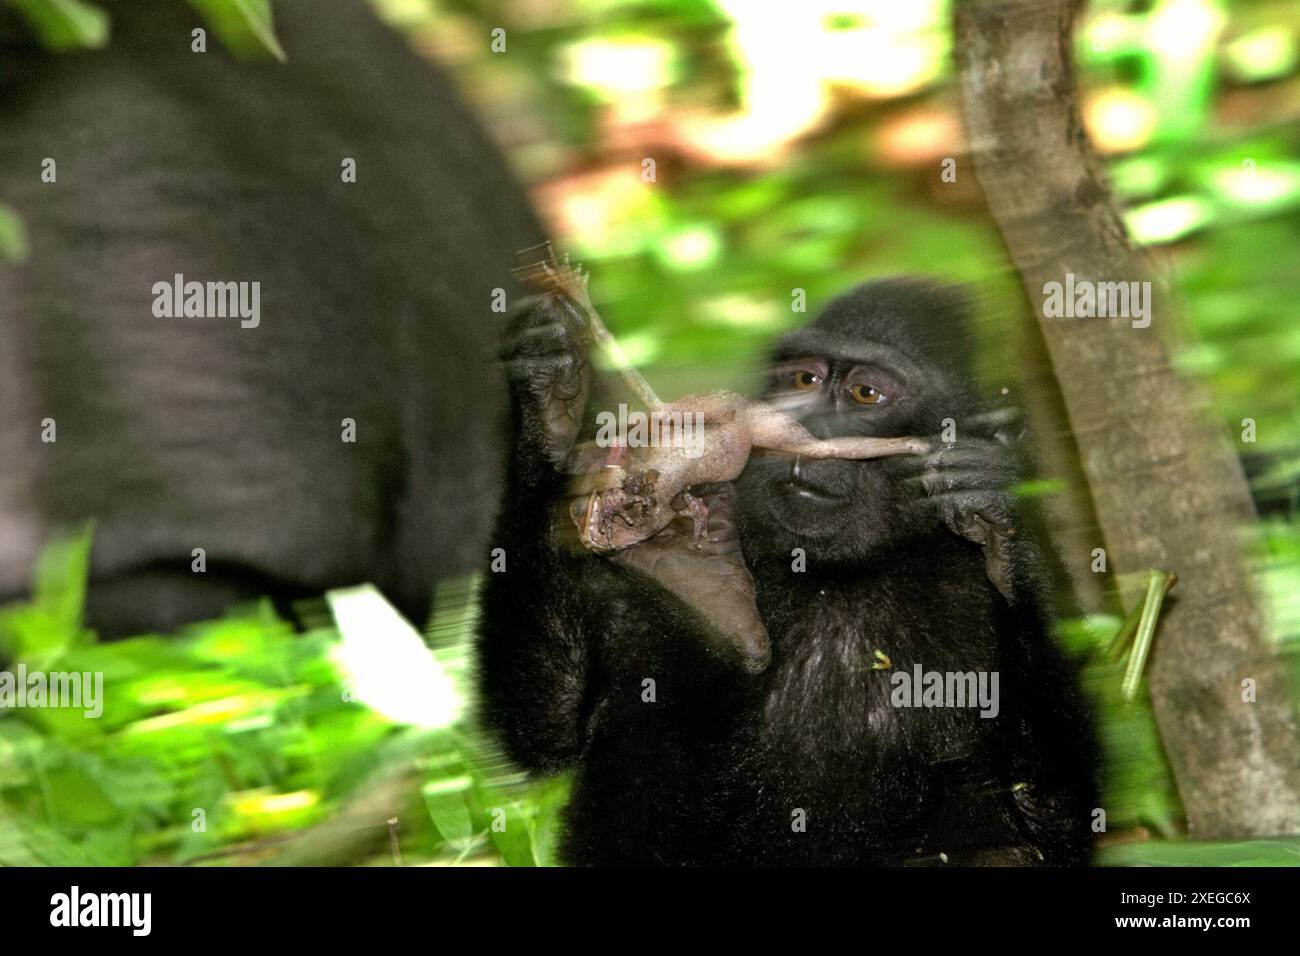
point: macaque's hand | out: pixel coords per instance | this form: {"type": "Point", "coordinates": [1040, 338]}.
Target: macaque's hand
{"type": "Point", "coordinates": [549, 374]}
{"type": "Point", "coordinates": [971, 484]}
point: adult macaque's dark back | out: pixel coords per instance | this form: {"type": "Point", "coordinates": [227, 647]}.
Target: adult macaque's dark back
{"type": "Point", "coordinates": [683, 753]}
{"type": "Point", "coordinates": [175, 434]}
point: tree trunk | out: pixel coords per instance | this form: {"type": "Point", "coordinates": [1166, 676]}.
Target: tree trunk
{"type": "Point", "coordinates": [1167, 485]}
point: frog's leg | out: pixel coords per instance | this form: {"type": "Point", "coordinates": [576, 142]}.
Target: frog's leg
{"type": "Point", "coordinates": [698, 512]}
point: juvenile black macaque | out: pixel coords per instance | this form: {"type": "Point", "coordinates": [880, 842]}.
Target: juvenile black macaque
{"type": "Point", "coordinates": [687, 755]}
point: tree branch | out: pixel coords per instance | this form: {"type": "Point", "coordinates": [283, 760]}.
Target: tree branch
{"type": "Point", "coordinates": [1168, 487]}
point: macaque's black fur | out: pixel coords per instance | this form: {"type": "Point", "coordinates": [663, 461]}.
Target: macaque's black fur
{"type": "Point", "coordinates": [717, 768]}
{"type": "Point", "coordinates": [376, 301]}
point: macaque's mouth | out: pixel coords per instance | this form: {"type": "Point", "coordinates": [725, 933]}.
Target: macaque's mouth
{"type": "Point", "coordinates": [811, 492]}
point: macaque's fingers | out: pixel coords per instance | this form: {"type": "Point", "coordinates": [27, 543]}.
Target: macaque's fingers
{"type": "Point", "coordinates": [959, 510]}
{"type": "Point", "coordinates": [988, 517]}
{"type": "Point", "coordinates": [985, 456]}
{"type": "Point", "coordinates": [934, 482]}
{"type": "Point", "coordinates": [971, 486]}
{"type": "Point", "coordinates": [546, 336]}
{"type": "Point", "coordinates": [551, 377]}
{"type": "Point", "coordinates": [988, 520]}
{"type": "Point", "coordinates": [548, 372]}
{"type": "Point", "coordinates": [542, 325]}
{"type": "Point", "coordinates": [977, 455]}
{"type": "Point", "coordinates": [964, 481]}
{"type": "Point", "coordinates": [541, 271]}
{"type": "Point", "coordinates": [554, 396]}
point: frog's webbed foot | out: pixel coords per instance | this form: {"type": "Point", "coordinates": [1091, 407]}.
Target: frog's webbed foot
{"type": "Point", "coordinates": [695, 509]}
{"type": "Point", "coordinates": [619, 505]}
{"type": "Point", "coordinates": [617, 510]}
{"type": "Point", "coordinates": [602, 509]}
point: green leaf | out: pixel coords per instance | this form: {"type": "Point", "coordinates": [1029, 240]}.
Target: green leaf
{"type": "Point", "coordinates": [42, 630]}
{"type": "Point", "coordinates": [244, 27]}
{"type": "Point", "coordinates": [66, 24]}
{"type": "Point", "coordinates": [445, 800]}
{"type": "Point", "coordinates": [549, 798]}
{"type": "Point", "coordinates": [24, 843]}
{"type": "Point", "coordinates": [1279, 851]}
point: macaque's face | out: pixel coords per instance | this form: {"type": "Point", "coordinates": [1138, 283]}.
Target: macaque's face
{"type": "Point", "coordinates": [834, 508]}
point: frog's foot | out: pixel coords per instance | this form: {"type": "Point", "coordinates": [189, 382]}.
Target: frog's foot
{"type": "Point", "coordinates": [695, 509]}
{"type": "Point", "coordinates": [620, 505]}
{"type": "Point", "coordinates": [612, 519]}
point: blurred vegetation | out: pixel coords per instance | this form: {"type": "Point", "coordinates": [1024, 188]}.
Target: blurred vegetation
{"type": "Point", "coordinates": [216, 744]}
{"type": "Point", "coordinates": [795, 147]}
{"type": "Point", "coordinates": [243, 741]}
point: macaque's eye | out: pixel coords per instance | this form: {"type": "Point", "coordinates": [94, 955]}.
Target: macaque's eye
{"type": "Point", "coordinates": [804, 379]}
{"type": "Point", "coordinates": [867, 394]}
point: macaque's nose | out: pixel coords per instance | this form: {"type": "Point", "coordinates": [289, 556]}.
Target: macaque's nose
{"type": "Point", "coordinates": [821, 425]}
